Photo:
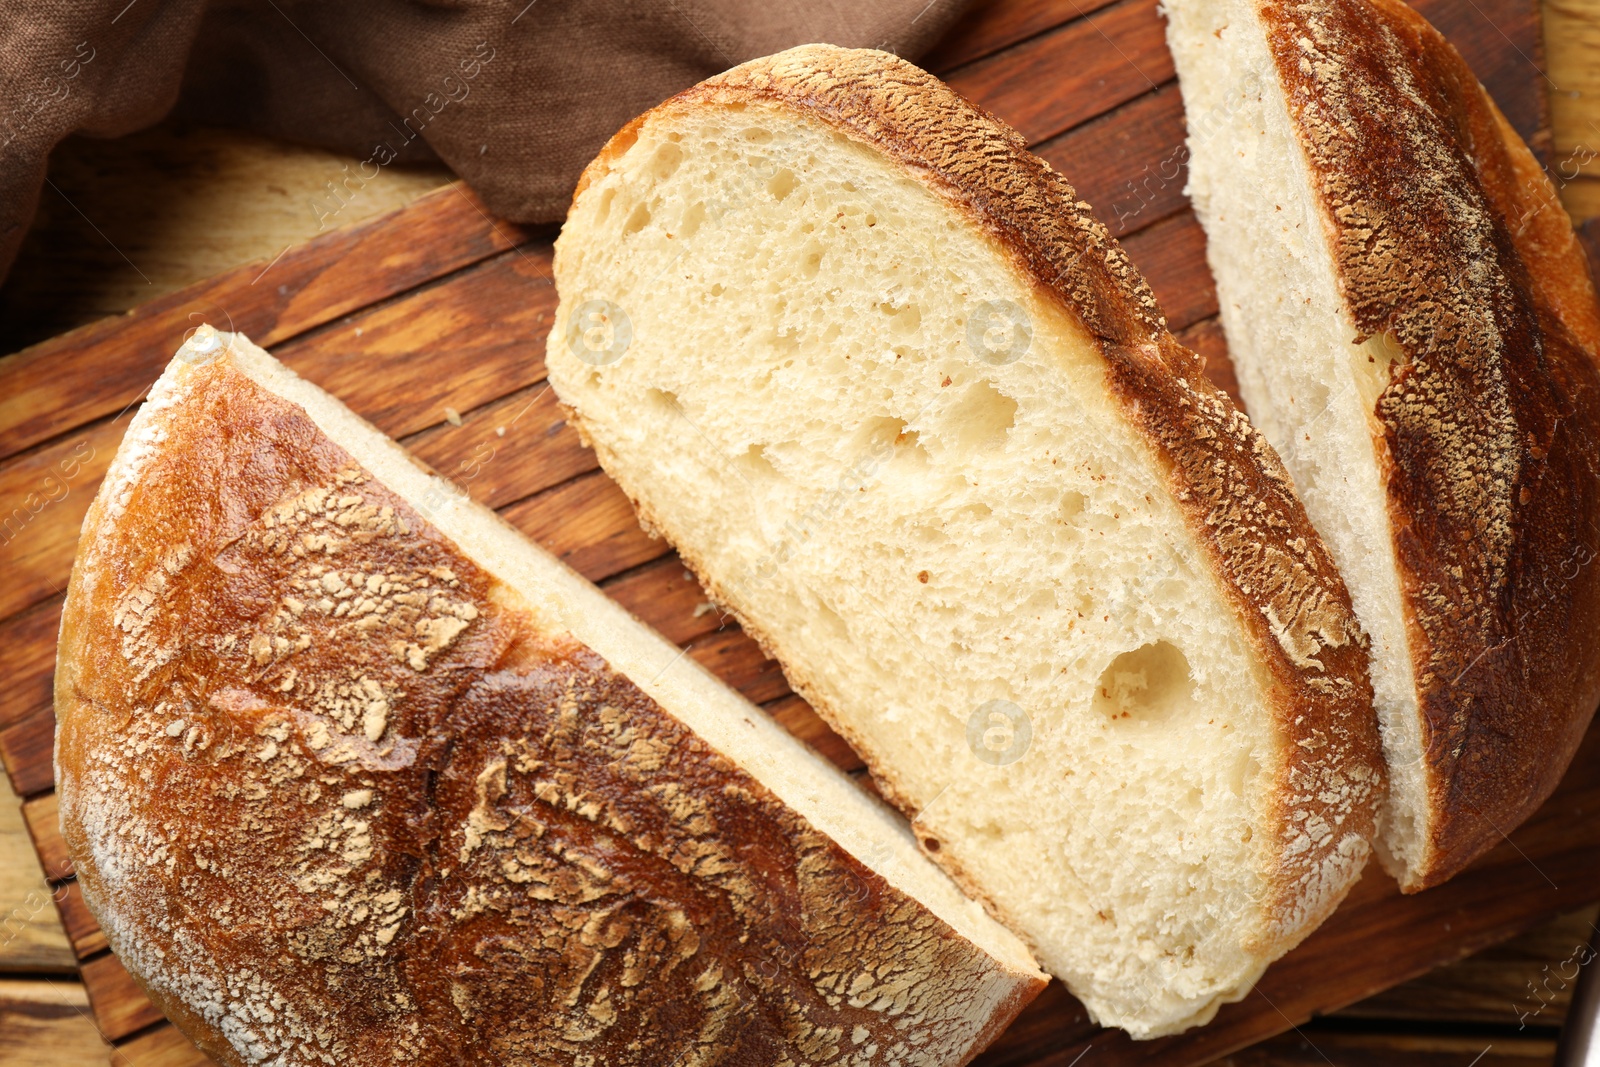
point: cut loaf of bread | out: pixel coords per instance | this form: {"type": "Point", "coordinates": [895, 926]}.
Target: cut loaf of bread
{"type": "Point", "coordinates": [1414, 329]}
{"type": "Point", "coordinates": [352, 773]}
{"type": "Point", "coordinates": [915, 420]}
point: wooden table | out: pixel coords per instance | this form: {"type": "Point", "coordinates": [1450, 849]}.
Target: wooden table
{"type": "Point", "coordinates": [185, 204]}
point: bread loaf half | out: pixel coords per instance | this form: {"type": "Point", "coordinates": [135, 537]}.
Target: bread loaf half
{"type": "Point", "coordinates": [354, 774]}
{"type": "Point", "coordinates": [917, 422]}
{"type": "Point", "coordinates": [1415, 331]}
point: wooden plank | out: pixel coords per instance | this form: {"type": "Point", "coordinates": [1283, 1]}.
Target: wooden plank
{"type": "Point", "coordinates": [988, 28]}
{"type": "Point", "coordinates": [164, 1046]}
{"type": "Point", "coordinates": [27, 748]}
{"type": "Point", "coordinates": [1572, 35]}
{"type": "Point", "coordinates": [44, 827]}
{"type": "Point", "coordinates": [1093, 65]}
{"type": "Point", "coordinates": [734, 656]}
{"type": "Point", "coordinates": [1313, 1047]}
{"type": "Point", "coordinates": [44, 496]}
{"type": "Point", "coordinates": [1525, 982]}
{"type": "Point", "coordinates": [385, 362]}
{"type": "Point", "coordinates": [82, 928]}
{"type": "Point", "coordinates": [28, 660]}
{"type": "Point", "coordinates": [665, 596]}
{"type": "Point", "coordinates": [589, 525]}
{"type": "Point", "coordinates": [46, 1023]}
{"type": "Point", "coordinates": [31, 941]}
{"type": "Point", "coordinates": [1140, 161]}
{"type": "Point", "coordinates": [119, 1005]}
{"type": "Point", "coordinates": [67, 380]}
{"type": "Point", "coordinates": [172, 205]}
{"type": "Point", "coordinates": [508, 449]}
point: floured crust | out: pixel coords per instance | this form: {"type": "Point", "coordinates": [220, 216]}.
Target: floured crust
{"type": "Point", "coordinates": [1231, 486]}
{"type": "Point", "coordinates": [336, 798]}
{"type": "Point", "coordinates": [1447, 237]}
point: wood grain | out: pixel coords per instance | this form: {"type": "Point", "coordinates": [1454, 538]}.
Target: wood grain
{"type": "Point", "coordinates": [1314, 1047]}
{"type": "Point", "coordinates": [28, 660]}
{"type": "Point", "coordinates": [46, 1023]}
{"type": "Point", "coordinates": [63, 382]}
{"type": "Point", "coordinates": [31, 939]}
{"type": "Point", "coordinates": [44, 827]}
{"type": "Point", "coordinates": [986, 28]}
{"type": "Point", "coordinates": [83, 930]}
{"type": "Point", "coordinates": [1525, 983]}
{"type": "Point", "coordinates": [372, 311]}
{"type": "Point", "coordinates": [119, 1006]}
{"type": "Point", "coordinates": [161, 1047]}
{"type": "Point", "coordinates": [135, 218]}
{"type": "Point", "coordinates": [1094, 64]}
{"type": "Point", "coordinates": [27, 747]}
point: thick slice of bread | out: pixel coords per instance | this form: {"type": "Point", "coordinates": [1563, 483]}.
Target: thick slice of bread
{"type": "Point", "coordinates": [352, 773]}
{"type": "Point", "coordinates": [1415, 331]}
{"type": "Point", "coordinates": [916, 421]}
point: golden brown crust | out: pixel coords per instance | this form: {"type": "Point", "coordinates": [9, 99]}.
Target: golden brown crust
{"type": "Point", "coordinates": [1229, 483]}
{"type": "Point", "coordinates": [335, 799]}
{"type": "Point", "coordinates": [1448, 238]}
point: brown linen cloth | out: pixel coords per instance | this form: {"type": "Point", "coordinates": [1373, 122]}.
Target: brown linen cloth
{"type": "Point", "coordinates": [514, 96]}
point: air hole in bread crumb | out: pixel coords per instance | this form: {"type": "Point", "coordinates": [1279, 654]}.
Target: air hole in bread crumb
{"type": "Point", "coordinates": [983, 417]}
{"type": "Point", "coordinates": [1146, 685]}
{"type": "Point", "coordinates": [781, 184]}
{"type": "Point", "coordinates": [1072, 503]}
{"type": "Point", "coordinates": [637, 221]}
{"type": "Point", "coordinates": [1244, 772]}
{"type": "Point", "coordinates": [756, 135]}
{"type": "Point", "coordinates": [755, 463]}
{"type": "Point", "coordinates": [692, 219]}
{"type": "Point", "coordinates": [811, 260]}
{"type": "Point", "coordinates": [830, 623]}
{"type": "Point", "coordinates": [904, 320]}
{"type": "Point", "coordinates": [873, 435]}
{"type": "Point", "coordinates": [663, 399]}
{"type": "Point", "coordinates": [665, 161]}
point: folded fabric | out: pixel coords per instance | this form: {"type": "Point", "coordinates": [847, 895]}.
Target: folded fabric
{"type": "Point", "coordinates": [515, 96]}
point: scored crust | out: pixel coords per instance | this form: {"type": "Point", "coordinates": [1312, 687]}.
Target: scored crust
{"type": "Point", "coordinates": [337, 796]}
{"type": "Point", "coordinates": [1232, 489]}
{"type": "Point", "coordinates": [1448, 238]}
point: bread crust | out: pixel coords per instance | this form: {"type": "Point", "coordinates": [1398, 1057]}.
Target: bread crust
{"type": "Point", "coordinates": [336, 797]}
{"type": "Point", "coordinates": [1230, 485]}
{"type": "Point", "coordinates": [1447, 237]}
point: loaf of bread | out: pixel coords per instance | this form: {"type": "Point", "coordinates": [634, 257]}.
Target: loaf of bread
{"type": "Point", "coordinates": [916, 421]}
{"type": "Point", "coordinates": [1415, 330]}
{"type": "Point", "coordinates": [354, 774]}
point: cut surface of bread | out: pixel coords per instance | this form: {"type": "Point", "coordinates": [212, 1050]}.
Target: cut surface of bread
{"type": "Point", "coordinates": [1413, 328]}
{"type": "Point", "coordinates": [914, 419]}
{"type": "Point", "coordinates": [353, 773]}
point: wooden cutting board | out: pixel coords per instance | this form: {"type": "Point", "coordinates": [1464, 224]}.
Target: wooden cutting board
{"type": "Point", "coordinates": [431, 322]}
